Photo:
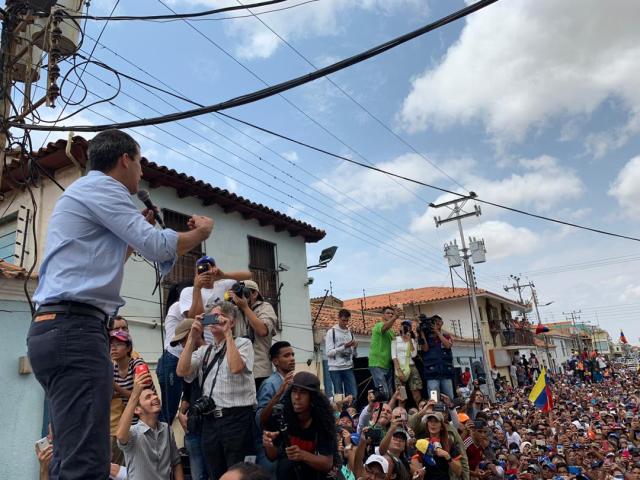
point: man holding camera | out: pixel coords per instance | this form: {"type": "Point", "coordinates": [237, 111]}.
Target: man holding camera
{"type": "Point", "coordinates": [225, 371]}
{"type": "Point", "coordinates": [340, 347]}
{"type": "Point", "coordinates": [209, 287]}
{"type": "Point", "coordinates": [437, 356]}
{"type": "Point", "coordinates": [94, 228]}
{"type": "Point", "coordinates": [258, 325]}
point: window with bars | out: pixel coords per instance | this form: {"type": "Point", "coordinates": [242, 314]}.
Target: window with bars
{"type": "Point", "coordinates": [263, 266]}
{"type": "Point", "coordinates": [8, 238]}
{"type": "Point", "coordinates": [185, 267]}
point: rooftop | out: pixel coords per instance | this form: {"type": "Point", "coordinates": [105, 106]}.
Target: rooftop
{"type": "Point", "coordinates": [415, 295]}
{"type": "Point", "coordinates": [53, 157]}
{"type": "Point", "coordinates": [9, 270]}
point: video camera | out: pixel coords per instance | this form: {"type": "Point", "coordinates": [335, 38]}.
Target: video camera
{"type": "Point", "coordinates": [427, 325]}
{"type": "Point", "coordinates": [277, 414]}
{"type": "Point", "coordinates": [380, 395]}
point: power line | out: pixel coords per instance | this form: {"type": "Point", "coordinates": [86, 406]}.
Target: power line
{"type": "Point", "coordinates": [274, 89]}
{"type": "Point", "coordinates": [356, 102]}
{"type": "Point", "coordinates": [418, 182]}
{"type": "Point", "coordinates": [177, 16]}
{"type": "Point", "coordinates": [370, 225]}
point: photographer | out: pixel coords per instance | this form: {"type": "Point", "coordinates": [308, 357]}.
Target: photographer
{"type": "Point", "coordinates": [403, 351]}
{"type": "Point", "coordinates": [224, 370]}
{"type": "Point", "coordinates": [209, 286]}
{"type": "Point", "coordinates": [305, 442]}
{"type": "Point", "coordinates": [340, 347]}
{"type": "Point", "coordinates": [258, 325]}
{"type": "Point", "coordinates": [436, 355]}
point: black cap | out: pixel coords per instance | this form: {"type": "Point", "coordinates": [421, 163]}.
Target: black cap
{"type": "Point", "coordinates": [307, 381]}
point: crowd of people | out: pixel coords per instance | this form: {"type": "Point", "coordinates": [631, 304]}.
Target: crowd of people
{"type": "Point", "coordinates": [245, 410]}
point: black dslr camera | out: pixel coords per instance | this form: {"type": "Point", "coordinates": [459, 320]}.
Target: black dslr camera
{"type": "Point", "coordinates": [203, 406]}
{"type": "Point", "coordinates": [380, 395]}
{"type": "Point", "coordinates": [240, 290]}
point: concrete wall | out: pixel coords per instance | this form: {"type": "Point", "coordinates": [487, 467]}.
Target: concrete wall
{"type": "Point", "coordinates": [22, 398]}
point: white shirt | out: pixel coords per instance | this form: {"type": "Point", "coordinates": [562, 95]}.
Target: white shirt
{"type": "Point", "coordinates": [231, 389]}
{"type": "Point", "coordinates": [210, 296]}
{"type": "Point", "coordinates": [514, 437]}
{"type": "Point", "coordinates": [171, 321]}
{"type": "Point", "coordinates": [399, 350]}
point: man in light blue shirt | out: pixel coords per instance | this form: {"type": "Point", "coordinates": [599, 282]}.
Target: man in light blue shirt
{"type": "Point", "coordinates": [93, 229]}
{"type": "Point", "coordinates": [270, 394]}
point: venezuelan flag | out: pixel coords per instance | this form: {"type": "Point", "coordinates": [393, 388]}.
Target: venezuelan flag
{"type": "Point", "coordinates": [541, 328]}
{"type": "Point", "coordinates": [623, 339]}
{"type": "Point", "coordinates": [540, 395]}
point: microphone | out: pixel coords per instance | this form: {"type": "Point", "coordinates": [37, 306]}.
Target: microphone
{"type": "Point", "coordinates": [144, 197]}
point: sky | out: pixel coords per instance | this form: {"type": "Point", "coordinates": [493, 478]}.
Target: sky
{"type": "Point", "coordinates": [533, 105]}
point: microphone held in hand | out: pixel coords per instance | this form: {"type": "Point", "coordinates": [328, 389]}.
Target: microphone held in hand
{"type": "Point", "coordinates": [144, 197]}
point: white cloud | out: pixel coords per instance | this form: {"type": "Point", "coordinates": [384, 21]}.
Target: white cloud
{"type": "Point", "coordinates": [631, 292]}
{"type": "Point", "coordinates": [626, 187]}
{"type": "Point", "coordinates": [325, 18]}
{"type": "Point", "coordinates": [376, 190]}
{"type": "Point", "coordinates": [292, 156]}
{"type": "Point", "coordinates": [504, 240]}
{"type": "Point", "coordinates": [519, 63]}
{"type": "Point", "coordinates": [231, 184]}
{"type": "Point", "coordinates": [542, 185]}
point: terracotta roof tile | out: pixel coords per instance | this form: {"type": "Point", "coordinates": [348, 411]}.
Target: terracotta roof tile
{"type": "Point", "coordinates": [411, 295]}
{"type": "Point", "coordinates": [53, 157]}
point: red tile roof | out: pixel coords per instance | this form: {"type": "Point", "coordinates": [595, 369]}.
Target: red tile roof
{"type": "Point", "coordinates": [53, 157]}
{"type": "Point", "coordinates": [411, 295]}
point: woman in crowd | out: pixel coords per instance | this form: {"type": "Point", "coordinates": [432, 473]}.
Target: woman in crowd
{"type": "Point", "coordinates": [438, 459]}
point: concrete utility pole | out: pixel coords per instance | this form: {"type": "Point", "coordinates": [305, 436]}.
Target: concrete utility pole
{"type": "Point", "coordinates": [457, 214]}
{"type": "Point", "coordinates": [574, 316]}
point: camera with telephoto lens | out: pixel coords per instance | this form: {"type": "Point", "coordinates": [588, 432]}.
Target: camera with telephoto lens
{"type": "Point", "coordinates": [240, 290]}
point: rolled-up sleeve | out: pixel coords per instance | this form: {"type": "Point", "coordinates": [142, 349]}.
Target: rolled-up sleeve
{"type": "Point", "coordinates": [114, 209]}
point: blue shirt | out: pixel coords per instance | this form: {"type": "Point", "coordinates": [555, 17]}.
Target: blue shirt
{"type": "Point", "coordinates": [266, 392]}
{"type": "Point", "coordinates": [90, 229]}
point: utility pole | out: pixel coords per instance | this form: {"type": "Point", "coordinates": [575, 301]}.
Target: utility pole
{"type": "Point", "coordinates": [574, 316]}
{"type": "Point", "coordinates": [534, 296]}
{"type": "Point", "coordinates": [475, 252]}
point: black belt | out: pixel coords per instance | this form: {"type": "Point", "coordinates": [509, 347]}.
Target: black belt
{"type": "Point", "coordinates": [225, 412]}
{"type": "Point", "coordinates": [75, 308]}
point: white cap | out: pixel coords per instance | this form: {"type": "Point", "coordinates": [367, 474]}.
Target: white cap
{"type": "Point", "coordinates": [379, 459]}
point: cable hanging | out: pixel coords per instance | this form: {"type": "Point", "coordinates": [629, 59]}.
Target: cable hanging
{"type": "Point", "coordinates": [274, 89]}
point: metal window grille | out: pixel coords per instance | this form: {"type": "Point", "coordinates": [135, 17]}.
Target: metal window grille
{"type": "Point", "coordinates": [185, 266]}
{"type": "Point", "coordinates": [8, 238]}
{"type": "Point", "coordinates": [262, 264]}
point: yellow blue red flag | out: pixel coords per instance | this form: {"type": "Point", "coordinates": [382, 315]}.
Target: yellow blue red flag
{"type": "Point", "coordinates": [540, 395]}
{"type": "Point", "coordinates": [623, 339]}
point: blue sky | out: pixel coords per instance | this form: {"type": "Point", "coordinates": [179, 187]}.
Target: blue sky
{"type": "Point", "coordinates": [531, 104]}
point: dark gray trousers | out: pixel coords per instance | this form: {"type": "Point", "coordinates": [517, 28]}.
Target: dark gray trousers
{"type": "Point", "coordinates": [70, 358]}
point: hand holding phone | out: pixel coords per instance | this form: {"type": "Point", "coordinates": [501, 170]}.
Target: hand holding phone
{"type": "Point", "coordinates": [210, 319]}
{"type": "Point", "coordinates": [433, 395]}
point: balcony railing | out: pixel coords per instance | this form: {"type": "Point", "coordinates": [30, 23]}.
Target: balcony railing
{"type": "Point", "coordinates": [516, 338]}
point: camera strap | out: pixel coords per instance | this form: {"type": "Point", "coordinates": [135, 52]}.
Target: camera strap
{"type": "Point", "coordinates": [209, 366]}
{"type": "Point", "coordinates": [217, 360]}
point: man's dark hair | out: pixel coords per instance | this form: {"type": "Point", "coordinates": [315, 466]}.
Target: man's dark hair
{"type": "Point", "coordinates": [250, 471]}
{"type": "Point", "coordinates": [344, 313]}
{"type": "Point", "coordinates": [274, 351]}
{"type": "Point", "coordinates": [120, 317]}
{"type": "Point", "coordinates": [107, 147]}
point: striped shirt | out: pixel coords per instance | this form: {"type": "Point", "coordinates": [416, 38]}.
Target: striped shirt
{"type": "Point", "coordinates": [231, 390]}
{"type": "Point", "coordinates": [150, 454]}
{"type": "Point", "coordinates": [126, 382]}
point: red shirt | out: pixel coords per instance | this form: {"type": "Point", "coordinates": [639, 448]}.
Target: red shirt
{"type": "Point", "coordinates": [466, 376]}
